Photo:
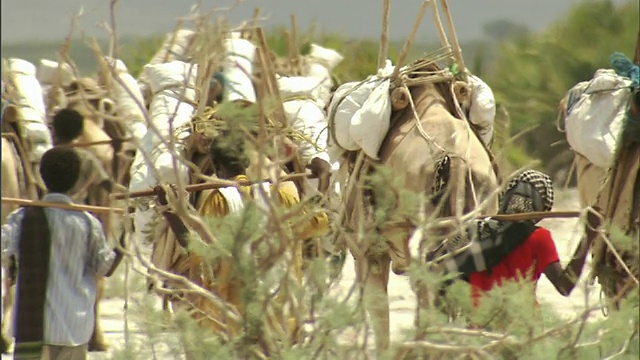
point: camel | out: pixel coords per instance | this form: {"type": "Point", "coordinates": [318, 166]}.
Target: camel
{"type": "Point", "coordinates": [95, 131]}
{"type": "Point", "coordinates": [412, 147]}
{"type": "Point", "coordinates": [11, 187]}
{"type": "Point", "coordinates": [618, 197]}
{"type": "Point", "coordinates": [14, 184]}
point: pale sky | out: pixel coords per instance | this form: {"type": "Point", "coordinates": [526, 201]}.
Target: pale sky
{"type": "Point", "coordinates": [26, 20]}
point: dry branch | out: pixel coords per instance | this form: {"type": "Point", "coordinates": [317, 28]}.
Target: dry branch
{"type": "Point", "coordinates": [212, 184]}
{"type": "Point", "coordinates": [384, 37]}
{"type": "Point", "coordinates": [73, 207]}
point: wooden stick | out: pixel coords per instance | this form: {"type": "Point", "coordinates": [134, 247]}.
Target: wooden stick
{"type": "Point", "coordinates": [384, 37]}
{"type": "Point", "coordinates": [536, 215]}
{"type": "Point", "coordinates": [269, 77]}
{"type": "Point", "coordinates": [212, 184]}
{"type": "Point", "coordinates": [172, 41]}
{"type": "Point", "coordinates": [101, 142]}
{"type": "Point", "coordinates": [636, 57]}
{"type": "Point", "coordinates": [296, 43]}
{"type": "Point", "coordinates": [290, 53]}
{"type": "Point", "coordinates": [74, 207]}
{"type": "Point", "coordinates": [454, 38]}
{"type": "Point", "coordinates": [436, 18]}
{"type": "Point", "coordinates": [409, 42]}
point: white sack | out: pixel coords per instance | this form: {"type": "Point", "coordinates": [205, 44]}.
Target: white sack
{"type": "Point", "coordinates": [237, 70]}
{"type": "Point", "coordinates": [29, 102]}
{"type": "Point", "coordinates": [595, 121]}
{"type": "Point", "coordinates": [169, 80]}
{"type": "Point", "coordinates": [322, 62]}
{"type": "Point", "coordinates": [483, 108]}
{"type": "Point", "coordinates": [127, 101]}
{"type": "Point", "coordinates": [297, 86]}
{"type": "Point", "coordinates": [308, 119]}
{"type": "Point", "coordinates": [361, 113]}
{"type": "Point", "coordinates": [50, 73]}
{"type": "Point", "coordinates": [174, 48]}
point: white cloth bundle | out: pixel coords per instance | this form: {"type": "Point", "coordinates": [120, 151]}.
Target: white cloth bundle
{"type": "Point", "coordinates": [308, 120]}
{"type": "Point", "coordinates": [238, 69]}
{"type": "Point", "coordinates": [297, 86]}
{"type": "Point", "coordinates": [483, 108]}
{"type": "Point", "coordinates": [50, 72]}
{"type": "Point", "coordinates": [595, 120]}
{"type": "Point", "coordinates": [171, 83]}
{"type": "Point", "coordinates": [322, 62]}
{"type": "Point", "coordinates": [361, 114]}
{"type": "Point", "coordinates": [127, 101]}
{"type": "Point", "coordinates": [174, 48]}
{"type": "Point", "coordinates": [305, 116]}
{"type": "Point", "coordinates": [29, 102]}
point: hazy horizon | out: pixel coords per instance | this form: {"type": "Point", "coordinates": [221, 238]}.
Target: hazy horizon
{"type": "Point", "coordinates": [354, 18]}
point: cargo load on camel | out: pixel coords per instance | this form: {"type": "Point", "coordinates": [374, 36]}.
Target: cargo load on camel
{"type": "Point", "coordinates": [361, 111]}
{"type": "Point", "coordinates": [595, 114]}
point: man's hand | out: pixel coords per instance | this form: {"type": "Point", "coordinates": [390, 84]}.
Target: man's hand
{"type": "Point", "coordinates": [322, 170]}
{"type": "Point", "coordinates": [161, 194]}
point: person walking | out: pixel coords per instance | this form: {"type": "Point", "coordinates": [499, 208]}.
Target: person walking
{"type": "Point", "coordinates": [60, 254]}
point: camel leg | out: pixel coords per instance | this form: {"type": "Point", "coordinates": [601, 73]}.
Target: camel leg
{"type": "Point", "coordinates": [7, 309]}
{"type": "Point", "coordinates": [97, 342]}
{"type": "Point", "coordinates": [375, 272]}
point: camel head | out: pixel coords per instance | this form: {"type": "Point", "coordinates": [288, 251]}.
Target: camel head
{"type": "Point", "coordinates": [87, 90]}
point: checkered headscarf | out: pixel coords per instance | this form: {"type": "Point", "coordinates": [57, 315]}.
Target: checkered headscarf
{"type": "Point", "coordinates": [490, 240]}
{"type": "Point", "coordinates": [528, 192]}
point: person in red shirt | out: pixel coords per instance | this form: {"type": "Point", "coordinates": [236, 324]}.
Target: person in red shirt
{"type": "Point", "coordinates": [529, 192]}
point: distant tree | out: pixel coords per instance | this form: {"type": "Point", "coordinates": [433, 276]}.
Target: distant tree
{"type": "Point", "coordinates": [136, 53]}
{"type": "Point", "coordinates": [533, 73]}
{"type": "Point", "coordinates": [503, 29]}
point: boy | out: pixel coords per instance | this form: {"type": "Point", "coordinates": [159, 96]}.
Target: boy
{"type": "Point", "coordinates": [93, 181]}
{"type": "Point", "coordinates": [60, 253]}
{"type": "Point", "coordinates": [513, 251]}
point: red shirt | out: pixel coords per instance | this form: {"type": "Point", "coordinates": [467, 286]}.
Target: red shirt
{"type": "Point", "coordinates": [528, 261]}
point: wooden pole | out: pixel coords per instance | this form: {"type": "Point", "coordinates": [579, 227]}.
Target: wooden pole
{"type": "Point", "coordinates": [212, 184]}
{"type": "Point", "coordinates": [295, 40]}
{"type": "Point", "coordinates": [101, 142]}
{"type": "Point", "coordinates": [384, 37]}
{"type": "Point", "coordinates": [636, 58]}
{"type": "Point", "coordinates": [409, 42]}
{"type": "Point", "coordinates": [443, 35]}
{"type": "Point", "coordinates": [457, 53]}
{"type": "Point", "coordinates": [73, 207]}
{"type": "Point", "coordinates": [536, 215]}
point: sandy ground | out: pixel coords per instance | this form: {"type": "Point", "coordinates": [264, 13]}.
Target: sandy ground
{"type": "Point", "coordinates": [402, 300]}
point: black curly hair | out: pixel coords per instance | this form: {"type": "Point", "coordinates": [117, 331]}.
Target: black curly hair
{"type": "Point", "coordinates": [60, 169]}
{"type": "Point", "coordinates": [229, 152]}
{"type": "Point", "coordinates": [67, 125]}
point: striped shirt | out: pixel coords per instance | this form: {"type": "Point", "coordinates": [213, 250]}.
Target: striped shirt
{"type": "Point", "coordinates": [79, 254]}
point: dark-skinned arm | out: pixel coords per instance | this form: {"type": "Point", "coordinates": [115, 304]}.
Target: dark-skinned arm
{"type": "Point", "coordinates": [175, 223]}
{"type": "Point", "coordinates": [321, 169]}
{"type": "Point", "coordinates": [119, 255]}
{"type": "Point", "coordinates": [564, 280]}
